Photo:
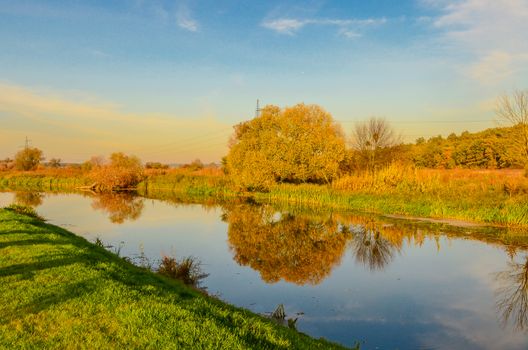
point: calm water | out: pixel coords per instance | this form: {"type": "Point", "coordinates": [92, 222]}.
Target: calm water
{"type": "Point", "coordinates": [388, 283]}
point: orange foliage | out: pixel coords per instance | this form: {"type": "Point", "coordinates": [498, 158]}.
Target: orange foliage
{"type": "Point", "coordinates": [295, 144]}
{"type": "Point", "coordinates": [121, 173]}
{"type": "Point", "coordinates": [119, 206]}
{"type": "Point", "coordinates": [293, 248]}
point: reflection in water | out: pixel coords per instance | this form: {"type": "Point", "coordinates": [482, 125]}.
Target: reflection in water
{"type": "Point", "coordinates": [512, 296]}
{"type": "Point", "coordinates": [297, 249]}
{"type": "Point", "coordinates": [119, 206]}
{"type": "Point", "coordinates": [30, 199]}
{"type": "Point", "coordinates": [372, 246]}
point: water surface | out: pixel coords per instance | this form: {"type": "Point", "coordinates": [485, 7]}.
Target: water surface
{"type": "Point", "coordinates": [388, 283]}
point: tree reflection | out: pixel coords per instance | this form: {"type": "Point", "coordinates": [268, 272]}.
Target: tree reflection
{"type": "Point", "coordinates": [297, 249]}
{"type": "Point", "coordinates": [372, 246]}
{"type": "Point", "coordinates": [119, 206]}
{"type": "Point", "coordinates": [512, 296]}
{"type": "Point", "coordinates": [30, 199]}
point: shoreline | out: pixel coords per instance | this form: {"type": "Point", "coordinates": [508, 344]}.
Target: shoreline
{"type": "Point", "coordinates": [482, 208]}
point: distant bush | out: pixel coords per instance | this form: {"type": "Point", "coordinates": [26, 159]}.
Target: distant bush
{"type": "Point", "coordinates": [194, 165]}
{"type": "Point", "coordinates": [54, 163]}
{"type": "Point", "coordinates": [28, 159]}
{"type": "Point", "coordinates": [7, 164]}
{"type": "Point", "coordinates": [121, 172]}
{"type": "Point", "coordinates": [156, 165]}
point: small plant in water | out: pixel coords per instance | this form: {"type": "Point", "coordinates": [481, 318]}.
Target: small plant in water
{"type": "Point", "coordinates": [117, 250]}
{"type": "Point", "coordinates": [188, 270]}
{"type": "Point", "coordinates": [142, 259]}
{"type": "Point", "coordinates": [99, 243]}
{"type": "Point", "coordinates": [24, 210]}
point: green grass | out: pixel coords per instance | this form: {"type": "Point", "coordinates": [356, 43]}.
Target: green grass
{"type": "Point", "coordinates": [41, 182]}
{"type": "Point", "coordinates": [59, 291]}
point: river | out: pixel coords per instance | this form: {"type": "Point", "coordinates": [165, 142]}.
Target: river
{"type": "Point", "coordinates": [389, 283]}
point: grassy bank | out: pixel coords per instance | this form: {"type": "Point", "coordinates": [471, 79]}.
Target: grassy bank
{"type": "Point", "coordinates": [59, 291]}
{"type": "Point", "coordinates": [497, 197]}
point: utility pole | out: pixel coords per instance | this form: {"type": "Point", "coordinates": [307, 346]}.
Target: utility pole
{"type": "Point", "coordinates": [257, 110]}
{"type": "Point", "coordinates": [26, 145]}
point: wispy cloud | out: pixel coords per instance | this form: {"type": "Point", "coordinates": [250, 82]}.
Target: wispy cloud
{"type": "Point", "coordinates": [98, 53]}
{"type": "Point", "coordinates": [347, 27]}
{"type": "Point", "coordinates": [184, 18]}
{"type": "Point", "coordinates": [492, 31]}
{"type": "Point", "coordinates": [168, 13]}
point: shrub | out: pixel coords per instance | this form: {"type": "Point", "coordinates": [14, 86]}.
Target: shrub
{"type": "Point", "coordinates": [188, 270]}
{"type": "Point", "coordinates": [28, 159]}
{"type": "Point", "coordinates": [121, 173]}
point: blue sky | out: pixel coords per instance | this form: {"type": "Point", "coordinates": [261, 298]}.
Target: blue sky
{"type": "Point", "coordinates": [167, 79]}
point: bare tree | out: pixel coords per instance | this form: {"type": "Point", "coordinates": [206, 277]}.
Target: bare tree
{"type": "Point", "coordinates": [370, 136]}
{"type": "Point", "coordinates": [514, 109]}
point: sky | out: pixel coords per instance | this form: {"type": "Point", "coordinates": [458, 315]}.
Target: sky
{"type": "Point", "coordinates": [167, 80]}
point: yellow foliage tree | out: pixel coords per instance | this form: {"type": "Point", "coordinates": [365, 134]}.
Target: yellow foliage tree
{"type": "Point", "coordinates": [294, 144]}
{"type": "Point", "coordinates": [28, 159]}
{"type": "Point", "coordinates": [122, 172]}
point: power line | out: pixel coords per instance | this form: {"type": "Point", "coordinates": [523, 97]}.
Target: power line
{"type": "Point", "coordinates": [422, 121]}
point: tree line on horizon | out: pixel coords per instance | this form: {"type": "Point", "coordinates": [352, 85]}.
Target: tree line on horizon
{"type": "Point", "coordinates": [303, 143]}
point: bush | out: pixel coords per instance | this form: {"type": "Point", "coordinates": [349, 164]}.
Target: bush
{"type": "Point", "coordinates": [28, 159]}
{"type": "Point", "coordinates": [121, 173]}
{"type": "Point", "coordinates": [188, 270]}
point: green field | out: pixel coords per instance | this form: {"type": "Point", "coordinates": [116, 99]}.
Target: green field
{"type": "Point", "coordinates": [58, 290]}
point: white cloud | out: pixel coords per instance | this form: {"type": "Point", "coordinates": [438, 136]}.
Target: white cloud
{"type": "Point", "coordinates": [284, 25]}
{"type": "Point", "coordinates": [493, 31]}
{"type": "Point", "coordinates": [347, 27]}
{"type": "Point", "coordinates": [184, 18]}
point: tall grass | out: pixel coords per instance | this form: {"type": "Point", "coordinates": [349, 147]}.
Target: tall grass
{"type": "Point", "coordinates": [488, 196]}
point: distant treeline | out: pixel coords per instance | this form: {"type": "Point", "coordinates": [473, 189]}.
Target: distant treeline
{"type": "Point", "coordinates": [492, 149]}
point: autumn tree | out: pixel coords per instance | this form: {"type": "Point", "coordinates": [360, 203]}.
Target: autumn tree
{"type": "Point", "coordinates": [514, 109]}
{"type": "Point", "coordinates": [372, 138]}
{"type": "Point", "coordinates": [121, 172]}
{"type": "Point", "coordinates": [93, 162]}
{"type": "Point", "coordinates": [294, 144]}
{"type": "Point", "coordinates": [54, 163]}
{"type": "Point", "coordinates": [28, 159]}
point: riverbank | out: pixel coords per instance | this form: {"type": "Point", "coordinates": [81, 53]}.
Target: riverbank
{"type": "Point", "coordinates": [496, 197]}
{"type": "Point", "coordinates": [57, 290]}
